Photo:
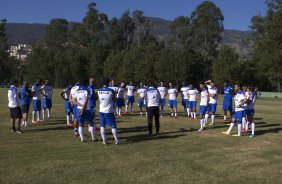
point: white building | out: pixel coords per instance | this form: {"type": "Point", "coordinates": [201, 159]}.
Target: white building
{"type": "Point", "coordinates": [21, 51]}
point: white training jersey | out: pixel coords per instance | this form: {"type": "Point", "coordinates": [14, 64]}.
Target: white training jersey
{"type": "Point", "coordinates": [106, 96]}
{"type": "Point", "coordinates": [204, 97]}
{"type": "Point", "coordinates": [73, 90]}
{"type": "Point", "coordinates": [67, 92]}
{"type": "Point", "coordinates": [250, 96]}
{"type": "Point", "coordinates": [130, 90]}
{"type": "Point", "coordinates": [184, 91]}
{"type": "Point", "coordinates": [47, 91]}
{"type": "Point", "coordinates": [238, 98]}
{"type": "Point", "coordinates": [192, 94]}
{"type": "Point", "coordinates": [81, 95]}
{"type": "Point", "coordinates": [163, 91]}
{"type": "Point", "coordinates": [172, 92]}
{"type": "Point", "coordinates": [13, 97]}
{"type": "Point", "coordinates": [213, 91]}
{"type": "Point", "coordinates": [115, 88]}
{"type": "Point", "coordinates": [141, 92]}
{"type": "Point", "coordinates": [152, 97]}
{"type": "Point", "coordinates": [36, 89]}
{"type": "Point", "coordinates": [121, 92]}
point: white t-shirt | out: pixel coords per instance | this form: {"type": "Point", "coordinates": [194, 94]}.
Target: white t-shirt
{"type": "Point", "coordinates": [251, 98]}
{"type": "Point", "coordinates": [73, 90]}
{"type": "Point", "coordinates": [106, 96]}
{"type": "Point", "coordinates": [204, 97]}
{"type": "Point", "coordinates": [163, 91]}
{"type": "Point", "coordinates": [47, 91]}
{"type": "Point", "coordinates": [120, 93]}
{"type": "Point", "coordinates": [238, 98]}
{"type": "Point", "coordinates": [141, 92]}
{"type": "Point", "coordinates": [192, 94]}
{"type": "Point", "coordinates": [115, 88]}
{"type": "Point", "coordinates": [36, 89]}
{"type": "Point", "coordinates": [130, 90]}
{"type": "Point", "coordinates": [212, 91]}
{"type": "Point", "coordinates": [172, 92]}
{"type": "Point", "coordinates": [184, 91]}
{"type": "Point", "coordinates": [81, 96]}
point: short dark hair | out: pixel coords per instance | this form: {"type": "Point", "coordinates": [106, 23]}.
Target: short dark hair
{"type": "Point", "coordinates": [227, 81]}
{"type": "Point", "coordinates": [14, 81]}
{"type": "Point", "coordinates": [84, 82]}
{"type": "Point", "coordinates": [105, 81]}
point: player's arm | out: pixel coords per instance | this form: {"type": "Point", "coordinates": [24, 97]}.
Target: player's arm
{"type": "Point", "coordinates": [42, 91]}
{"type": "Point", "coordinates": [197, 95]}
{"type": "Point", "coordinates": [62, 95]}
{"type": "Point", "coordinates": [208, 81]}
{"type": "Point", "coordinates": [85, 103]}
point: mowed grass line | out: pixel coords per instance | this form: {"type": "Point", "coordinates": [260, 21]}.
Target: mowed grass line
{"type": "Point", "coordinates": [49, 153]}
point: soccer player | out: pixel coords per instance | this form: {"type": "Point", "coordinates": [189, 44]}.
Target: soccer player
{"type": "Point", "coordinates": [141, 93]}
{"type": "Point", "coordinates": [67, 103]}
{"type": "Point", "coordinates": [130, 88]}
{"type": "Point", "coordinates": [152, 101]}
{"type": "Point", "coordinates": [163, 91]}
{"type": "Point", "coordinates": [172, 92]}
{"type": "Point", "coordinates": [192, 96]}
{"type": "Point", "coordinates": [213, 97]}
{"type": "Point", "coordinates": [14, 107]}
{"type": "Point", "coordinates": [185, 102]}
{"type": "Point", "coordinates": [74, 108]}
{"type": "Point", "coordinates": [120, 98]}
{"type": "Point", "coordinates": [92, 96]}
{"type": "Point", "coordinates": [244, 122]}
{"type": "Point", "coordinates": [47, 91]}
{"type": "Point", "coordinates": [239, 100]}
{"type": "Point", "coordinates": [36, 101]}
{"type": "Point", "coordinates": [106, 111]}
{"type": "Point", "coordinates": [115, 88]}
{"type": "Point", "coordinates": [227, 100]}
{"type": "Point", "coordinates": [84, 114]}
{"type": "Point", "coordinates": [25, 95]}
{"type": "Point", "coordinates": [203, 105]}
{"type": "Point", "coordinates": [250, 111]}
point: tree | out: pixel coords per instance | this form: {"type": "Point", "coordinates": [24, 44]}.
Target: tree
{"type": "Point", "coordinates": [57, 33]}
{"type": "Point", "coordinates": [181, 32]}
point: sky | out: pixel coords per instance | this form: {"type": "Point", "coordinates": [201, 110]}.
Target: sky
{"type": "Point", "coordinates": [237, 13]}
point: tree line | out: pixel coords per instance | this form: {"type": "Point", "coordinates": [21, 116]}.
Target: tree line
{"type": "Point", "coordinates": [124, 49]}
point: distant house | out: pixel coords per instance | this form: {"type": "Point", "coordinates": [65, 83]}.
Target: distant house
{"type": "Point", "coordinates": [21, 51]}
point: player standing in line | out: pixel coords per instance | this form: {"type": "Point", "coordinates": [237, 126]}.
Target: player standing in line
{"type": "Point", "coordinates": [130, 88]}
{"type": "Point", "coordinates": [25, 95]}
{"type": "Point", "coordinates": [163, 91]}
{"type": "Point", "coordinates": [74, 108]}
{"type": "Point", "coordinates": [227, 100]}
{"type": "Point", "coordinates": [115, 88]}
{"type": "Point", "coordinates": [106, 111]}
{"type": "Point", "coordinates": [172, 103]}
{"type": "Point", "coordinates": [141, 94]}
{"type": "Point", "coordinates": [203, 105]}
{"type": "Point", "coordinates": [67, 103]}
{"type": "Point", "coordinates": [250, 111]}
{"type": "Point", "coordinates": [244, 122]}
{"type": "Point", "coordinates": [239, 100]}
{"type": "Point", "coordinates": [193, 96]}
{"type": "Point", "coordinates": [84, 114]}
{"type": "Point", "coordinates": [213, 97]}
{"type": "Point", "coordinates": [120, 98]}
{"type": "Point", "coordinates": [185, 102]}
{"type": "Point", "coordinates": [47, 91]}
{"type": "Point", "coordinates": [36, 101]}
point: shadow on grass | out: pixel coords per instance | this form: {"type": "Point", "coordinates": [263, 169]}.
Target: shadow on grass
{"type": "Point", "coordinates": [48, 129]}
{"type": "Point", "coordinates": [272, 130]}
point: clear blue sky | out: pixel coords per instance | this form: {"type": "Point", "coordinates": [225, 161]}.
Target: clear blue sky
{"type": "Point", "coordinates": [237, 13]}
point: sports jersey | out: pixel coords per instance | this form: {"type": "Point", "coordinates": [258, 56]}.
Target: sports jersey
{"type": "Point", "coordinates": [172, 93]}
{"type": "Point", "coordinates": [92, 98]}
{"type": "Point", "coordinates": [47, 90]}
{"type": "Point", "coordinates": [163, 91]}
{"type": "Point", "coordinates": [81, 95]}
{"type": "Point", "coordinates": [13, 97]}
{"type": "Point", "coordinates": [120, 93]}
{"type": "Point", "coordinates": [115, 88]}
{"type": "Point", "coordinates": [73, 90]}
{"type": "Point", "coordinates": [192, 94]}
{"type": "Point", "coordinates": [204, 97]}
{"type": "Point", "coordinates": [67, 91]}
{"type": "Point", "coordinates": [106, 96]}
{"type": "Point", "coordinates": [152, 97]}
{"type": "Point", "coordinates": [36, 88]}
{"type": "Point", "coordinates": [184, 91]}
{"type": "Point", "coordinates": [212, 91]}
{"type": "Point", "coordinates": [227, 93]}
{"type": "Point", "coordinates": [238, 98]}
{"type": "Point", "coordinates": [250, 96]}
{"type": "Point", "coordinates": [130, 90]}
{"type": "Point", "coordinates": [25, 98]}
{"type": "Point", "coordinates": [141, 92]}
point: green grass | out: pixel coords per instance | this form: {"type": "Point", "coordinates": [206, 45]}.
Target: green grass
{"type": "Point", "coordinates": [49, 153]}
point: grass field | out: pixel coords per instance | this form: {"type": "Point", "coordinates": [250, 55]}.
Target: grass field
{"type": "Point", "coordinates": [49, 153]}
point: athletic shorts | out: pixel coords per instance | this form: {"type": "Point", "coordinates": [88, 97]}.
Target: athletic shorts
{"type": "Point", "coordinates": [162, 102]}
{"type": "Point", "coordinates": [25, 108]}
{"type": "Point", "coordinates": [238, 115]}
{"type": "Point", "coordinates": [172, 103]}
{"type": "Point", "coordinates": [87, 116]}
{"type": "Point", "coordinates": [15, 113]}
{"type": "Point", "coordinates": [185, 103]}
{"type": "Point", "coordinates": [250, 112]}
{"type": "Point", "coordinates": [120, 102]}
{"type": "Point", "coordinates": [107, 119]}
{"type": "Point", "coordinates": [130, 100]}
{"type": "Point", "coordinates": [47, 103]}
{"type": "Point", "coordinates": [212, 108]}
{"type": "Point", "coordinates": [36, 105]}
{"type": "Point", "coordinates": [203, 109]}
{"type": "Point", "coordinates": [227, 105]}
{"type": "Point", "coordinates": [192, 104]}
{"type": "Point", "coordinates": [67, 107]}
{"type": "Point", "coordinates": [141, 103]}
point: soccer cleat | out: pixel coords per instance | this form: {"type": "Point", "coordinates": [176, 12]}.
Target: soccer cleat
{"type": "Point", "coordinates": [244, 131]}
{"type": "Point", "coordinates": [83, 141]}
{"type": "Point", "coordinates": [69, 125]}
{"type": "Point", "coordinates": [104, 142]}
{"type": "Point", "coordinates": [34, 122]}
{"type": "Point", "coordinates": [19, 131]}
{"type": "Point", "coordinates": [14, 130]}
{"type": "Point", "coordinates": [116, 142]}
{"type": "Point", "coordinates": [210, 123]}
{"type": "Point", "coordinates": [226, 133]}
{"type": "Point", "coordinates": [161, 116]}
{"type": "Point", "coordinates": [75, 133]}
{"type": "Point", "coordinates": [228, 124]}
{"type": "Point", "coordinates": [236, 135]}
{"type": "Point", "coordinates": [252, 135]}
{"type": "Point", "coordinates": [200, 129]}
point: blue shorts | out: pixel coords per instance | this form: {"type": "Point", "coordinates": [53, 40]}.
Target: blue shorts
{"type": "Point", "coordinates": [141, 103]}
{"type": "Point", "coordinates": [227, 105]}
{"type": "Point", "coordinates": [36, 105]}
{"type": "Point", "coordinates": [185, 103]}
{"type": "Point", "coordinates": [107, 119]}
{"type": "Point", "coordinates": [212, 108]}
{"type": "Point", "coordinates": [68, 108]}
{"type": "Point", "coordinates": [192, 104]}
{"type": "Point", "coordinates": [74, 109]}
{"type": "Point", "coordinates": [172, 103]}
{"type": "Point", "coordinates": [120, 102]}
{"type": "Point", "coordinates": [203, 109]}
{"type": "Point", "coordinates": [238, 115]}
{"type": "Point", "coordinates": [87, 116]}
{"type": "Point", "coordinates": [250, 112]}
{"type": "Point", "coordinates": [130, 100]}
{"type": "Point", "coordinates": [162, 102]}
{"type": "Point", "coordinates": [47, 103]}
